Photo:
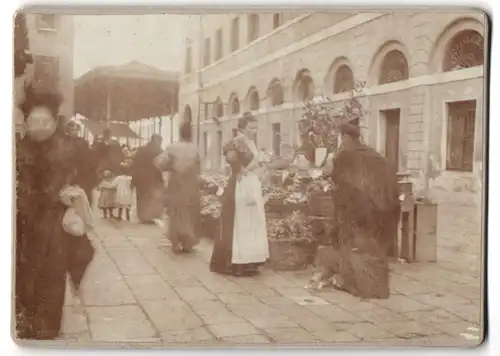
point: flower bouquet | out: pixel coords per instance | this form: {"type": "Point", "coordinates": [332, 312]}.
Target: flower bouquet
{"type": "Point", "coordinates": [281, 202]}
{"type": "Point", "coordinates": [319, 192]}
{"type": "Point", "coordinates": [291, 242]}
{"type": "Point", "coordinates": [212, 183]}
{"type": "Point", "coordinates": [320, 123]}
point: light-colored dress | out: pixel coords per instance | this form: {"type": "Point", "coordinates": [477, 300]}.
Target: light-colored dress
{"type": "Point", "coordinates": [250, 243]}
{"type": "Point", "coordinates": [107, 194]}
{"type": "Point", "coordinates": [124, 194]}
{"type": "Point", "coordinates": [182, 161]}
{"type": "Point", "coordinates": [241, 243]}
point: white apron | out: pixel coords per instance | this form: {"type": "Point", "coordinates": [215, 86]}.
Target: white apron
{"type": "Point", "coordinates": [250, 244]}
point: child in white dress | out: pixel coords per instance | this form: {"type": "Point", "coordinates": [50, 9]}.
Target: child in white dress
{"type": "Point", "coordinates": [124, 194]}
{"type": "Point", "coordinates": [107, 196]}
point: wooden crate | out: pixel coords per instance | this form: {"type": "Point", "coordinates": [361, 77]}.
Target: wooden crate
{"type": "Point", "coordinates": [321, 204]}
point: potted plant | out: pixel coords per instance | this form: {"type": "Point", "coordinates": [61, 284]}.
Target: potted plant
{"type": "Point", "coordinates": [319, 192]}
{"type": "Point", "coordinates": [319, 126]}
{"type": "Point", "coordinates": [291, 242]}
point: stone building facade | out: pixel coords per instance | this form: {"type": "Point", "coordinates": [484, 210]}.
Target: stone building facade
{"type": "Point", "coordinates": [51, 43]}
{"type": "Point", "coordinates": [424, 80]}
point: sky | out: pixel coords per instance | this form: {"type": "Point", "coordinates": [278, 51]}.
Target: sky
{"type": "Point", "coordinates": [155, 40]}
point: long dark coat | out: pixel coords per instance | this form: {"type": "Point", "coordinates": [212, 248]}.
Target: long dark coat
{"type": "Point", "coordinates": [44, 251]}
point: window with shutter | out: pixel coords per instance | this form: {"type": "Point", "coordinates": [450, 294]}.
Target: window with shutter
{"type": "Point", "coordinates": [235, 34]}
{"type": "Point", "coordinates": [276, 93]}
{"type": "Point", "coordinates": [218, 45]}
{"type": "Point", "coordinates": [276, 139]}
{"type": "Point", "coordinates": [205, 144]}
{"type": "Point", "coordinates": [218, 108]}
{"type": "Point", "coordinates": [254, 101]}
{"type": "Point", "coordinates": [219, 149]}
{"type": "Point", "coordinates": [206, 53]}
{"type": "Point", "coordinates": [343, 80]}
{"type": "Point", "coordinates": [235, 105]}
{"type": "Point", "coordinates": [46, 22]}
{"type": "Point", "coordinates": [276, 20]}
{"type": "Point", "coordinates": [253, 27]}
{"type": "Point", "coordinates": [461, 132]}
{"type": "Point", "coordinates": [189, 60]}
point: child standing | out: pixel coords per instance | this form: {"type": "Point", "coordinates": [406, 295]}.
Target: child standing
{"type": "Point", "coordinates": [124, 195]}
{"type": "Point", "coordinates": [107, 195]}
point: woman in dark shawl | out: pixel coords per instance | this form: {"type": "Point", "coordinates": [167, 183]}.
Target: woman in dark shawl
{"type": "Point", "coordinates": [45, 164]}
{"type": "Point", "coordinates": [241, 244]}
{"type": "Point", "coordinates": [182, 161]}
{"type": "Point", "coordinates": [366, 214]}
{"type": "Point", "coordinates": [148, 181]}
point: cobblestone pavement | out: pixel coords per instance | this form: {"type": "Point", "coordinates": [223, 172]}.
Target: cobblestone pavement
{"type": "Point", "coordinates": [138, 293]}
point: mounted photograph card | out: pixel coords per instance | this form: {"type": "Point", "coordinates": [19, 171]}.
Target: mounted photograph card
{"type": "Point", "coordinates": [258, 178]}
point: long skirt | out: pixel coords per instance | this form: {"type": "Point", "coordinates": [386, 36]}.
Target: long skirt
{"type": "Point", "coordinates": [183, 225]}
{"type": "Point", "coordinates": [150, 202]}
{"type": "Point", "coordinates": [41, 268]}
{"type": "Point", "coordinates": [241, 241]}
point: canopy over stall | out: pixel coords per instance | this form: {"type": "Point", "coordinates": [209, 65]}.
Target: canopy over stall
{"type": "Point", "coordinates": [118, 129]}
{"type": "Point", "coordinates": [126, 93]}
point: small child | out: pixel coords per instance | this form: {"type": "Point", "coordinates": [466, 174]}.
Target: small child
{"type": "Point", "coordinates": [123, 199]}
{"type": "Point", "coordinates": [107, 195]}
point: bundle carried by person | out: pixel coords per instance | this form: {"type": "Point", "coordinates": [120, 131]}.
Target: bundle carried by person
{"type": "Point", "coordinates": [78, 219]}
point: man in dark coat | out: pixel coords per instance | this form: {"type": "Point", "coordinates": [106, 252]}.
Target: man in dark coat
{"type": "Point", "coordinates": [148, 181]}
{"type": "Point", "coordinates": [85, 161]}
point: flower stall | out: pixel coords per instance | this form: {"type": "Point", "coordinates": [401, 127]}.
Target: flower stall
{"type": "Point", "coordinates": [211, 186]}
{"type": "Point", "coordinates": [296, 188]}
{"type": "Point", "coordinates": [291, 242]}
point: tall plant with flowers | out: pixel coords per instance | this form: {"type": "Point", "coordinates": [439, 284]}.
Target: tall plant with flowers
{"type": "Point", "coordinates": [320, 121]}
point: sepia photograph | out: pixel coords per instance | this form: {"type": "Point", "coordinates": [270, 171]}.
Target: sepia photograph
{"type": "Point", "coordinates": [263, 178]}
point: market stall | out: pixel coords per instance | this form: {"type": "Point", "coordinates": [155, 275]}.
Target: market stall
{"type": "Point", "coordinates": [126, 94]}
{"type": "Point", "coordinates": [296, 188]}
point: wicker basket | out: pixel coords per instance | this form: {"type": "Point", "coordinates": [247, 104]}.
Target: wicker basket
{"type": "Point", "coordinates": [321, 204]}
{"type": "Point", "coordinates": [291, 256]}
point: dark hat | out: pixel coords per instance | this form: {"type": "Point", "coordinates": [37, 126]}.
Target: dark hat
{"type": "Point", "coordinates": [41, 97]}
{"type": "Point", "coordinates": [245, 119]}
{"type": "Point", "coordinates": [350, 130]}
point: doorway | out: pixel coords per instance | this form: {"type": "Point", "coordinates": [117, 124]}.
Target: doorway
{"type": "Point", "coordinates": [392, 119]}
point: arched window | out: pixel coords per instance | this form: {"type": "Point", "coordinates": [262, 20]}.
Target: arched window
{"type": "Point", "coordinates": [276, 93]}
{"type": "Point", "coordinates": [343, 80]}
{"type": "Point", "coordinates": [304, 85]}
{"type": "Point", "coordinates": [218, 108]}
{"type": "Point", "coordinates": [187, 114]}
{"type": "Point", "coordinates": [235, 105]}
{"type": "Point", "coordinates": [254, 100]}
{"type": "Point", "coordinates": [394, 68]}
{"type": "Point", "coordinates": [465, 50]}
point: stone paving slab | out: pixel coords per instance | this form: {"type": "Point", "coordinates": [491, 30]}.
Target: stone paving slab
{"type": "Point", "coordinates": [136, 292]}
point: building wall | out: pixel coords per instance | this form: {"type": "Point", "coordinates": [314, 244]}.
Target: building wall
{"type": "Point", "coordinates": [323, 42]}
{"type": "Point", "coordinates": [56, 42]}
